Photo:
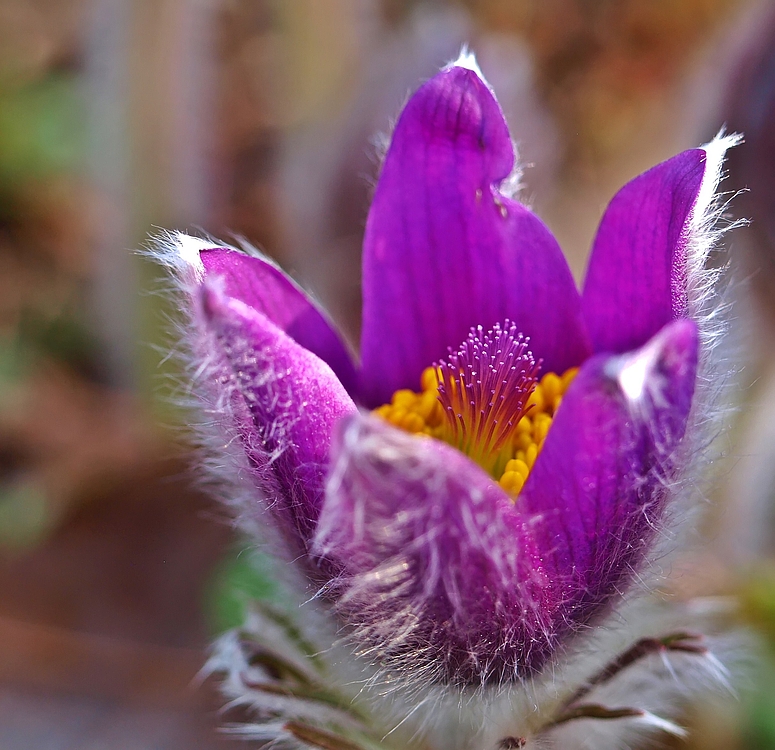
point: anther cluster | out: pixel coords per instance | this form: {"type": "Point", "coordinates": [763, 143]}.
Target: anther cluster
{"type": "Point", "coordinates": [486, 400]}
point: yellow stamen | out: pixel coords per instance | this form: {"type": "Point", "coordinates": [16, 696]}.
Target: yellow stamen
{"type": "Point", "coordinates": [422, 414]}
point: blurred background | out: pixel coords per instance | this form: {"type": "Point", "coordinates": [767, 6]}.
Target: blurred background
{"type": "Point", "coordinates": [261, 119]}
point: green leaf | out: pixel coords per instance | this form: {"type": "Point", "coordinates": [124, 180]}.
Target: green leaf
{"type": "Point", "coordinates": [24, 516]}
{"type": "Point", "coordinates": [758, 730]}
{"type": "Point", "coordinates": [757, 602]}
{"type": "Point", "coordinates": [244, 576]}
{"type": "Point", "coordinates": [41, 129]}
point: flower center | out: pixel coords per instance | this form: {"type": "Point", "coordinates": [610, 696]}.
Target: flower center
{"type": "Point", "coordinates": [486, 400]}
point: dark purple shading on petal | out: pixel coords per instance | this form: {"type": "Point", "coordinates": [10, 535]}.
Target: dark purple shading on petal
{"type": "Point", "coordinates": [286, 402]}
{"type": "Point", "coordinates": [440, 573]}
{"type": "Point", "coordinates": [636, 281]}
{"type": "Point", "coordinates": [444, 251]}
{"type": "Point", "coordinates": [597, 492]}
{"type": "Point", "coordinates": [265, 288]}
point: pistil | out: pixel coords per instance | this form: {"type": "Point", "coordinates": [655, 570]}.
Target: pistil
{"type": "Point", "coordinates": [484, 389]}
{"type": "Point", "coordinates": [486, 400]}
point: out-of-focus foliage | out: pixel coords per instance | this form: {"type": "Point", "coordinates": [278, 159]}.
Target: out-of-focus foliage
{"type": "Point", "coordinates": [244, 576]}
{"type": "Point", "coordinates": [603, 65]}
{"type": "Point", "coordinates": [757, 598]}
{"type": "Point", "coordinates": [63, 433]}
{"type": "Point", "coordinates": [41, 129]}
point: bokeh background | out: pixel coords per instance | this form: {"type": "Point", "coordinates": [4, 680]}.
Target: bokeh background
{"type": "Point", "coordinates": [261, 119]}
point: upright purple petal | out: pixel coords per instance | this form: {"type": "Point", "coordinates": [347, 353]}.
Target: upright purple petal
{"type": "Point", "coordinates": [266, 289]}
{"type": "Point", "coordinates": [440, 573]}
{"type": "Point", "coordinates": [637, 277]}
{"type": "Point", "coordinates": [444, 250]}
{"type": "Point", "coordinates": [285, 401]}
{"type": "Point", "coordinates": [598, 490]}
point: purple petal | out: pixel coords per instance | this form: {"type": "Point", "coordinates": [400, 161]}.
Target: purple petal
{"type": "Point", "coordinates": [285, 401]}
{"type": "Point", "coordinates": [439, 570]}
{"type": "Point", "coordinates": [599, 488]}
{"type": "Point", "coordinates": [444, 251]}
{"type": "Point", "coordinates": [265, 288]}
{"type": "Point", "coordinates": [636, 282]}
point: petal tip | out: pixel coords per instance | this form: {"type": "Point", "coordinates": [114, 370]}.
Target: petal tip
{"type": "Point", "coordinates": [467, 60]}
{"type": "Point", "coordinates": [671, 354]}
{"type": "Point", "coordinates": [715, 152]}
{"type": "Point", "coordinates": [720, 144]}
{"type": "Point", "coordinates": [180, 253]}
{"type": "Point", "coordinates": [188, 250]}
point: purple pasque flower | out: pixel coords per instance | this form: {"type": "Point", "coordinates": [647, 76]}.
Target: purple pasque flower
{"type": "Point", "coordinates": [485, 485]}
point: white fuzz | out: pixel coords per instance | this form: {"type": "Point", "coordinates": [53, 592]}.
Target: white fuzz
{"type": "Point", "coordinates": [704, 235]}
{"type": "Point", "coordinates": [634, 373]}
{"type": "Point", "coordinates": [188, 249]}
{"type": "Point", "coordinates": [708, 308]}
{"type": "Point", "coordinates": [321, 686]}
{"type": "Point", "coordinates": [207, 389]}
{"type": "Point", "coordinates": [467, 59]}
{"type": "Point", "coordinates": [369, 713]}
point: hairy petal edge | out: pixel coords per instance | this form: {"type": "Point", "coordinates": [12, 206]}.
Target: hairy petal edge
{"type": "Point", "coordinates": [636, 282]}
{"type": "Point", "coordinates": [440, 575]}
{"type": "Point", "coordinates": [285, 401]}
{"type": "Point", "coordinates": [599, 489]}
{"type": "Point", "coordinates": [264, 287]}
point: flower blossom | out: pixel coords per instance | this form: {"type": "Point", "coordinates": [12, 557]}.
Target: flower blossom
{"type": "Point", "coordinates": [472, 500]}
